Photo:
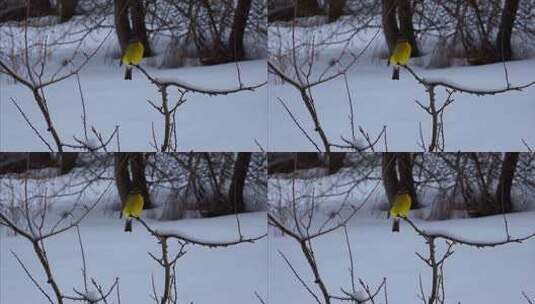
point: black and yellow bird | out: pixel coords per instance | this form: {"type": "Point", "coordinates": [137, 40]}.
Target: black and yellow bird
{"type": "Point", "coordinates": [132, 56]}
{"type": "Point", "coordinates": [400, 56]}
{"type": "Point", "coordinates": [132, 208]}
{"type": "Point", "coordinates": [400, 208]}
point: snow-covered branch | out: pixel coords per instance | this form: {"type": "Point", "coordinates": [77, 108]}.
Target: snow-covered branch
{"type": "Point", "coordinates": [438, 234]}
{"type": "Point", "coordinates": [174, 234]}
{"type": "Point", "coordinates": [181, 84]}
{"type": "Point", "coordinates": [436, 263]}
{"type": "Point", "coordinates": [168, 261]}
{"type": "Point", "coordinates": [449, 84]}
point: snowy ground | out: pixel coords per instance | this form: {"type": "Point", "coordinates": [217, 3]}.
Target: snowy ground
{"type": "Point", "coordinates": [492, 276]}
{"type": "Point", "coordinates": [204, 275]}
{"type": "Point", "coordinates": [472, 123]}
{"type": "Point", "coordinates": [221, 123]}
{"type": "Point", "coordinates": [226, 275]}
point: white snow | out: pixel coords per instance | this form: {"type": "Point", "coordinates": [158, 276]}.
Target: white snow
{"type": "Point", "coordinates": [204, 123]}
{"type": "Point", "coordinates": [490, 275]}
{"type": "Point", "coordinates": [204, 275]}
{"type": "Point", "coordinates": [92, 295]}
{"type": "Point", "coordinates": [222, 275]}
{"type": "Point", "coordinates": [494, 275]}
{"type": "Point", "coordinates": [471, 123]}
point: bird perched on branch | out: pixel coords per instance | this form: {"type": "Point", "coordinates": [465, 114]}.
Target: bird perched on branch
{"type": "Point", "coordinates": [132, 56]}
{"type": "Point", "coordinates": [400, 208]}
{"type": "Point", "coordinates": [400, 56]}
{"type": "Point", "coordinates": [132, 208]}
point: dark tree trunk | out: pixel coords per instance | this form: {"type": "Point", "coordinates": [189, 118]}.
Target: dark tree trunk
{"type": "Point", "coordinates": [390, 177]}
{"type": "Point", "coordinates": [122, 177]}
{"type": "Point", "coordinates": [505, 183]}
{"type": "Point", "coordinates": [241, 166]}
{"type": "Point", "coordinates": [390, 26]}
{"type": "Point", "coordinates": [238, 29]}
{"type": "Point", "coordinates": [18, 162]}
{"type": "Point", "coordinates": [37, 160]}
{"type": "Point", "coordinates": [137, 15]}
{"type": "Point", "coordinates": [307, 8]}
{"type": "Point", "coordinates": [39, 8]}
{"type": "Point", "coordinates": [137, 167]}
{"type": "Point", "coordinates": [336, 161]}
{"type": "Point", "coordinates": [405, 25]}
{"type": "Point", "coordinates": [66, 9]}
{"type": "Point", "coordinates": [19, 10]}
{"type": "Point", "coordinates": [68, 161]}
{"type": "Point", "coordinates": [503, 39]}
{"type": "Point", "coordinates": [482, 182]}
{"type": "Point", "coordinates": [12, 10]}
{"type": "Point", "coordinates": [288, 162]}
{"type": "Point", "coordinates": [13, 162]}
{"type": "Point", "coordinates": [406, 179]}
{"type": "Point", "coordinates": [282, 13]}
{"type": "Point", "coordinates": [122, 24]}
{"type": "Point", "coordinates": [336, 9]}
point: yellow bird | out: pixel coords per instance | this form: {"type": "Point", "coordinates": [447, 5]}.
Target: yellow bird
{"type": "Point", "coordinates": [132, 55]}
{"type": "Point", "coordinates": [132, 208]}
{"type": "Point", "coordinates": [400, 208]}
{"type": "Point", "coordinates": [400, 56]}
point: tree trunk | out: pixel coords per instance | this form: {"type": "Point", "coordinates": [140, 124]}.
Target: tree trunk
{"type": "Point", "coordinates": [390, 26]}
{"type": "Point", "coordinates": [122, 24]}
{"type": "Point", "coordinates": [390, 177]}
{"type": "Point", "coordinates": [39, 8]}
{"type": "Point", "coordinates": [405, 25]}
{"type": "Point", "coordinates": [238, 29]}
{"type": "Point", "coordinates": [68, 161]}
{"type": "Point", "coordinates": [137, 15]}
{"type": "Point", "coordinates": [336, 161]}
{"type": "Point", "coordinates": [307, 8]}
{"type": "Point", "coordinates": [237, 184]}
{"type": "Point", "coordinates": [66, 9]}
{"type": "Point", "coordinates": [406, 180]}
{"type": "Point", "coordinates": [122, 177]}
{"type": "Point", "coordinates": [482, 182]}
{"type": "Point", "coordinates": [503, 39]}
{"type": "Point", "coordinates": [288, 162]}
{"type": "Point", "coordinates": [505, 183]}
{"type": "Point", "coordinates": [137, 167]}
{"type": "Point", "coordinates": [336, 9]}
{"type": "Point", "coordinates": [19, 10]}
{"type": "Point", "coordinates": [281, 12]}
{"type": "Point", "coordinates": [19, 162]}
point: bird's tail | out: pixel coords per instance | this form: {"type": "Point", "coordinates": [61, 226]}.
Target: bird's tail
{"type": "Point", "coordinates": [128, 225]}
{"type": "Point", "coordinates": [395, 224]}
{"type": "Point", "coordinates": [128, 73]}
{"type": "Point", "coordinates": [395, 73]}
